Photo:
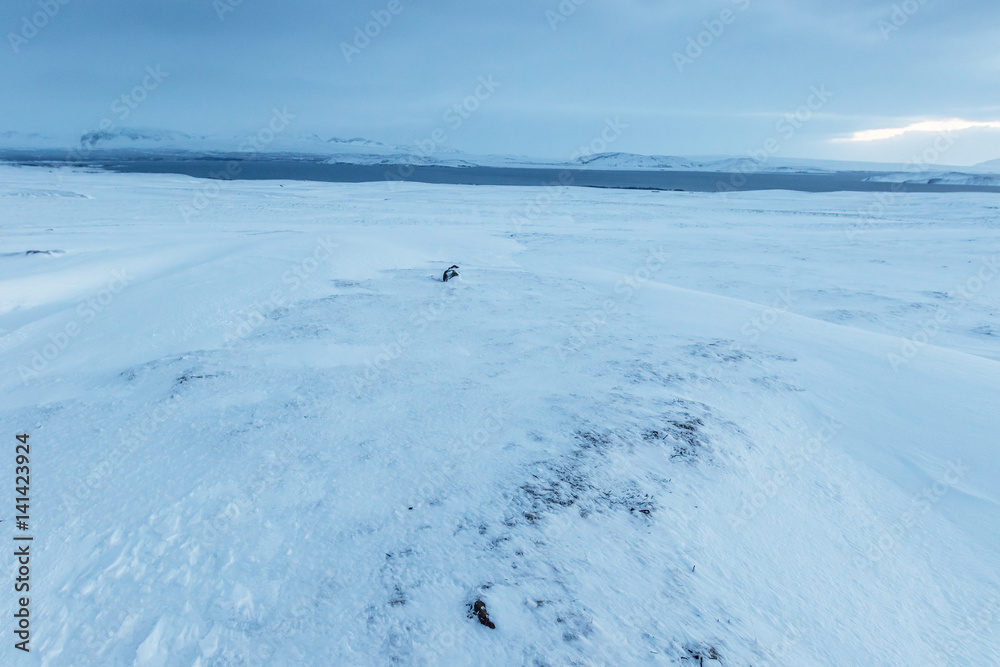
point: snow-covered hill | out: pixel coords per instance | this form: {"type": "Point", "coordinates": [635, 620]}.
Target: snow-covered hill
{"type": "Point", "coordinates": [990, 165]}
{"type": "Point", "coordinates": [156, 139]}
{"type": "Point", "coordinates": [938, 177]}
{"type": "Point", "coordinates": [641, 428]}
{"type": "Point", "coordinates": [632, 161]}
{"type": "Point", "coordinates": [31, 140]}
{"type": "Point", "coordinates": [135, 138]}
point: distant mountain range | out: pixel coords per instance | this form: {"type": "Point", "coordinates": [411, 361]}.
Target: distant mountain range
{"type": "Point", "coordinates": [134, 137]}
{"type": "Point", "coordinates": [359, 150]}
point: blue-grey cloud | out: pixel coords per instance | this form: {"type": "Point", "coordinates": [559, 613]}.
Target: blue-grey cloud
{"type": "Point", "coordinates": [720, 77]}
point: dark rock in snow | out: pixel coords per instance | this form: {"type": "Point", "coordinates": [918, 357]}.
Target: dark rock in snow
{"type": "Point", "coordinates": [478, 609]}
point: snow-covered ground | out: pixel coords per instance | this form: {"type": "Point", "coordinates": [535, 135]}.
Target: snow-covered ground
{"type": "Point", "coordinates": [642, 427]}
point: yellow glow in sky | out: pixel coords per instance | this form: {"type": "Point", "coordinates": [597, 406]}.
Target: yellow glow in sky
{"type": "Point", "coordinates": [953, 125]}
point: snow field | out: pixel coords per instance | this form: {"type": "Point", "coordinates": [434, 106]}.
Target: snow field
{"type": "Point", "coordinates": [641, 427]}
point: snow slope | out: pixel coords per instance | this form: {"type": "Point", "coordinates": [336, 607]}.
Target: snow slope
{"type": "Point", "coordinates": [643, 427]}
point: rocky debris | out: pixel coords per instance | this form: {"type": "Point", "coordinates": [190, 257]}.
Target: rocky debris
{"type": "Point", "coordinates": [478, 609]}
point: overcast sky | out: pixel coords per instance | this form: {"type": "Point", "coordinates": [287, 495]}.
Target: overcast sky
{"type": "Point", "coordinates": [682, 78]}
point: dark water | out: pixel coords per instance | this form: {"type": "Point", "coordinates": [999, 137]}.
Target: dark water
{"type": "Point", "coordinates": [239, 167]}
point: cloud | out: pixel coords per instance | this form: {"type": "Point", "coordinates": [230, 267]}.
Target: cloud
{"type": "Point", "coordinates": [952, 125]}
{"type": "Point", "coordinates": [607, 59]}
